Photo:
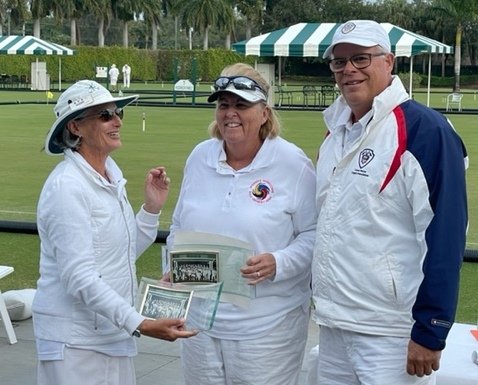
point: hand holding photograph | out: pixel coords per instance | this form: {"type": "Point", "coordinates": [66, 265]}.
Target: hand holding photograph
{"type": "Point", "coordinates": [162, 302]}
{"type": "Point", "coordinates": [196, 303]}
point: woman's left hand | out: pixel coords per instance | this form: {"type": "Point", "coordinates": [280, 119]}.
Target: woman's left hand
{"type": "Point", "coordinates": [259, 268]}
{"type": "Point", "coordinates": [156, 190]}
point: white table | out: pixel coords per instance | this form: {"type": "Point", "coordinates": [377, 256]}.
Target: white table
{"type": "Point", "coordinates": [4, 271]}
{"type": "Point", "coordinates": [456, 366]}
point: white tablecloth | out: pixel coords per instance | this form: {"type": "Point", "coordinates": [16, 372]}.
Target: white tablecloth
{"type": "Point", "coordinates": [456, 366]}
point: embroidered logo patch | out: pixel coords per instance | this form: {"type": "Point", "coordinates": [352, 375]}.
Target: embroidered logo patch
{"type": "Point", "coordinates": [347, 28]}
{"type": "Point", "coordinates": [365, 157]}
{"type": "Point", "coordinates": [261, 191]}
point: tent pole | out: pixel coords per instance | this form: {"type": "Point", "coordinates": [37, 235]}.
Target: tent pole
{"type": "Point", "coordinates": [59, 73]}
{"type": "Point", "coordinates": [280, 70]}
{"type": "Point", "coordinates": [411, 78]}
{"type": "Point", "coordinates": [429, 77]}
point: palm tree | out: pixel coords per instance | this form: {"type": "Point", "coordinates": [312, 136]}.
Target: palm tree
{"type": "Point", "coordinates": [70, 10]}
{"type": "Point", "coordinates": [203, 14]}
{"type": "Point", "coordinates": [101, 9]}
{"type": "Point", "coordinates": [253, 12]}
{"type": "Point", "coordinates": [126, 11]}
{"type": "Point", "coordinates": [12, 12]}
{"type": "Point", "coordinates": [460, 11]}
{"type": "Point", "coordinates": [152, 11]}
{"type": "Point", "coordinates": [39, 9]}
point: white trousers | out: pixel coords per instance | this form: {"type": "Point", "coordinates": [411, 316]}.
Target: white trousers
{"type": "Point", "coordinates": [275, 359]}
{"type": "Point", "coordinates": [86, 367]}
{"type": "Point", "coordinates": [347, 358]}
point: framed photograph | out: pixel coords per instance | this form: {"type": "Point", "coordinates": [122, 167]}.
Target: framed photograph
{"type": "Point", "coordinates": [163, 302]}
{"type": "Point", "coordinates": [194, 267]}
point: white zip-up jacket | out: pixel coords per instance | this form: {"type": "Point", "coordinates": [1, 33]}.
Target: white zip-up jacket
{"type": "Point", "coordinates": [90, 240]}
{"type": "Point", "coordinates": [392, 222]}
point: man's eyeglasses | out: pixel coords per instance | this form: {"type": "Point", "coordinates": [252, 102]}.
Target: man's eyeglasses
{"type": "Point", "coordinates": [105, 115]}
{"type": "Point", "coordinates": [360, 61]}
{"type": "Point", "coordinates": [239, 83]}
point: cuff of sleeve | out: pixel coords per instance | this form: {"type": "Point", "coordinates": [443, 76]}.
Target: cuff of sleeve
{"type": "Point", "coordinates": [425, 338]}
{"type": "Point", "coordinates": [147, 217]}
{"type": "Point", "coordinates": [133, 322]}
{"type": "Point", "coordinates": [279, 266]}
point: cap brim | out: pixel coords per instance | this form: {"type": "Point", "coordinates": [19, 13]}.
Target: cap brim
{"type": "Point", "coordinates": [249, 95]}
{"type": "Point", "coordinates": [51, 148]}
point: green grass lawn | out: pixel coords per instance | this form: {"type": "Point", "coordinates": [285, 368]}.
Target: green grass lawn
{"type": "Point", "coordinates": [170, 134]}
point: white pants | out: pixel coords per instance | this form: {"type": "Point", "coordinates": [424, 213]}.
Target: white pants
{"type": "Point", "coordinates": [275, 359]}
{"type": "Point", "coordinates": [347, 358]}
{"type": "Point", "coordinates": [86, 367]}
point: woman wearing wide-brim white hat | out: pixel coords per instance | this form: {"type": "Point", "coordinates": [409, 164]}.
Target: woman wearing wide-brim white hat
{"type": "Point", "coordinates": [83, 311]}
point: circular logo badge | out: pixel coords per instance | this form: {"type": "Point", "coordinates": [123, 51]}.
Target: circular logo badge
{"type": "Point", "coordinates": [261, 191]}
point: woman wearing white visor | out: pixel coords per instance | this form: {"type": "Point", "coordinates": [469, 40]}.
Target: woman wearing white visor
{"type": "Point", "coordinates": [248, 183]}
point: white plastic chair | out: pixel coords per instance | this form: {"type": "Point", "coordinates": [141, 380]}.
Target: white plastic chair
{"type": "Point", "coordinates": [4, 271]}
{"type": "Point", "coordinates": [454, 100]}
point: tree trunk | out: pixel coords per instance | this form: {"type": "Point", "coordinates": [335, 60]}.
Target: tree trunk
{"type": "Point", "coordinates": [101, 34]}
{"type": "Point", "coordinates": [125, 34]}
{"type": "Point", "coordinates": [36, 28]}
{"type": "Point", "coordinates": [154, 33]}
{"type": "Point", "coordinates": [205, 42]}
{"type": "Point", "coordinates": [228, 41]}
{"type": "Point", "coordinates": [73, 40]}
{"type": "Point", "coordinates": [459, 30]}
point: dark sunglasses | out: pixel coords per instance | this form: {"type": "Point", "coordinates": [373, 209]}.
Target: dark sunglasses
{"type": "Point", "coordinates": [239, 83]}
{"type": "Point", "coordinates": [105, 115]}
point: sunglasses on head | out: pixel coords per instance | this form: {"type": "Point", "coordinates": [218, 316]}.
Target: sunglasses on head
{"type": "Point", "coordinates": [239, 83]}
{"type": "Point", "coordinates": [105, 115]}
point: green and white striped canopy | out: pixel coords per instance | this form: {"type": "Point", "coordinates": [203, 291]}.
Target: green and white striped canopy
{"type": "Point", "coordinates": [30, 45]}
{"type": "Point", "coordinates": [312, 39]}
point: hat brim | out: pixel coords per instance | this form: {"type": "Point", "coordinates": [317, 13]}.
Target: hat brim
{"type": "Point", "coordinates": [249, 95]}
{"type": "Point", "coordinates": [56, 130]}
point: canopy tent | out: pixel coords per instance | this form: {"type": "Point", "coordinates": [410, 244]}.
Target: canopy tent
{"type": "Point", "coordinates": [30, 45]}
{"type": "Point", "coordinates": [312, 39]}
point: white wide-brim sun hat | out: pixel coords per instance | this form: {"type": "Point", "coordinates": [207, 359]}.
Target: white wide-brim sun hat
{"type": "Point", "coordinates": [71, 103]}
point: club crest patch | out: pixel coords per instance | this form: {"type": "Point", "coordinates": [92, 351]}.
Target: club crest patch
{"type": "Point", "coordinates": [348, 27]}
{"type": "Point", "coordinates": [365, 157]}
{"type": "Point", "coordinates": [261, 191]}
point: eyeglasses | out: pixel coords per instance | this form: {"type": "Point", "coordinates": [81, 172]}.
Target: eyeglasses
{"type": "Point", "coordinates": [105, 115]}
{"type": "Point", "coordinates": [239, 83]}
{"type": "Point", "coordinates": [360, 61]}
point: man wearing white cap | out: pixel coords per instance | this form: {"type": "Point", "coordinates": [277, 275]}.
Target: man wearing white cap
{"type": "Point", "coordinates": [392, 217]}
{"type": "Point", "coordinates": [84, 316]}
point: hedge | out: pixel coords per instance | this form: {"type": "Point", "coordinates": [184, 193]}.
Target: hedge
{"type": "Point", "coordinates": [147, 65]}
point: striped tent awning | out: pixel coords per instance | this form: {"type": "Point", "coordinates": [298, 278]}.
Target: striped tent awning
{"type": "Point", "coordinates": [312, 39]}
{"type": "Point", "coordinates": [30, 45]}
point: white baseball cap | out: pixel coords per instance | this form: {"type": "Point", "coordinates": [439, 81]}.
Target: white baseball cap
{"type": "Point", "coordinates": [366, 33]}
{"type": "Point", "coordinates": [71, 103]}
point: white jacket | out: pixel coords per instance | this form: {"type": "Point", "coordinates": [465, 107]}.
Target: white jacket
{"type": "Point", "coordinates": [90, 241]}
{"type": "Point", "coordinates": [392, 222]}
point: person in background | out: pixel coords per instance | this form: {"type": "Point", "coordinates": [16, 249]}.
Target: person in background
{"type": "Point", "coordinates": [113, 74]}
{"type": "Point", "coordinates": [84, 316]}
{"type": "Point", "coordinates": [392, 219]}
{"type": "Point", "coordinates": [248, 183]}
{"type": "Point", "coordinates": [126, 75]}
